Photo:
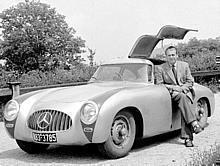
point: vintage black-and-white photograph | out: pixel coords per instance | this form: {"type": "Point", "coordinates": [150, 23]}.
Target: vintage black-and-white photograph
{"type": "Point", "coordinates": [109, 82]}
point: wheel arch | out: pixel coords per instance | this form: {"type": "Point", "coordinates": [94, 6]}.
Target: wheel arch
{"type": "Point", "coordinates": [208, 104]}
{"type": "Point", "coordinates": [138, 120]}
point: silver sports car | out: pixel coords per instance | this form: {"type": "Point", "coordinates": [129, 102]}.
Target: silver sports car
{"type": "Point", "coordinates": [120, 103]}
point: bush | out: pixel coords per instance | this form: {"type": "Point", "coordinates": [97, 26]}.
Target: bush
{"type": "Point", "coordinates": [5, 77]}
{"type": "Point", "coordinates": [201, 56]}
{"type": "Point", "coordinates": [80, 73]}
{"type": "Point", "coordinates": [39, 78]}
{"type": "Point", "coordinates": [203, 61]}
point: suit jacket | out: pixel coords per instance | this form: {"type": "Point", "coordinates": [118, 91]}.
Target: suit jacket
{"type": "Point", "coordinates": [164, 75]}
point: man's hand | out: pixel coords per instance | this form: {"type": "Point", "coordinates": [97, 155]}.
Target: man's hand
{"type": "Point", "coordinates": [177, 88]}
{"type": "Point", "coordinates": [180, 89]}
{"type": "Point", "coordinates": [185, 89]}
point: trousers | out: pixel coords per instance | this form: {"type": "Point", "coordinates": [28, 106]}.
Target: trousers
{"type": "Point", "coordinates": [183, 104]}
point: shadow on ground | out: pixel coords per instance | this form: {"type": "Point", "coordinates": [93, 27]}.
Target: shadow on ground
{"type": "Point", "coordinates": [88, 154]}
{"type": "Point", "coordinates": [171, 137]}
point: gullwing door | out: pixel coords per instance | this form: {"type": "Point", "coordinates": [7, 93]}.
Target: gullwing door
{"type": "Point", "coordinates": [145, 44]}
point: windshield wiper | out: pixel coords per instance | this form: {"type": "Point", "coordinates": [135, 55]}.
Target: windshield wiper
{"type": "Point", "coordinates": [119, 76]}
{"type": "Point", "coordinates": [94, 77]}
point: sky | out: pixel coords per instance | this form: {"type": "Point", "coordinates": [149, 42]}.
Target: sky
{"type": "Point", "coordinates": [111, 27]}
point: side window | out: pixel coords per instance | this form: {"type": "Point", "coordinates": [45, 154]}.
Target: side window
{"type": "Point", "coordinates": [149, 73]}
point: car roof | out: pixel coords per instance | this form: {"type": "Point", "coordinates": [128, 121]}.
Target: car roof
{"type": "Point", "coordinates": [127, 61]}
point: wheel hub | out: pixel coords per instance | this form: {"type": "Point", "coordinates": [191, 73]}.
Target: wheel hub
{"type": "Point", "coordinates": [120, 132]}
{"type": "Point", "coordinates": [200, 110]}
{"type": "Point", "coordinates": [202, 113]}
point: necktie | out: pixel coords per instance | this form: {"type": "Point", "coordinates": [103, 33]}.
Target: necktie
{"type": "Point", "coordinates": [174, 73]}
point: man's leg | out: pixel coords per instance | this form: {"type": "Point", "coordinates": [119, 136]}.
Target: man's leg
{"type": "Point", "coordinates": [187, 117]}
{"type": "Point", "coordinates": [184, 105]}
{"type": "Point", "coordinates": [186, 132]}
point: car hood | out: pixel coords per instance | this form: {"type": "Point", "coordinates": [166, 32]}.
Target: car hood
{"type": "Point", "coordinates": [79, 93]}
{"type": "Point", "coordinates": [91, 91]}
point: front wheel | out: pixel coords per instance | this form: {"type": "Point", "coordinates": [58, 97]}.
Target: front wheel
{"type": "Point", "coordinates": [121, 136]}
{"type": "Point", "coordinates": [31, 147]}
{"type": "Point", "coordinates": [202, 112]}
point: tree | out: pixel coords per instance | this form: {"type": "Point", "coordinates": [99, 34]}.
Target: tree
{"type": "Point", "coordinates": [91, 56]}
{"type": "Point", "coordinates": [34, 35]}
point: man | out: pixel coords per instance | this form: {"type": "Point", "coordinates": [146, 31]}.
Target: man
{"type": "Point", "coordinates": [177, 78]}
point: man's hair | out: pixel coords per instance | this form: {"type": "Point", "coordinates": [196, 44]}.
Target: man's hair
{"type": "Point", "coordinates": [170, 47]}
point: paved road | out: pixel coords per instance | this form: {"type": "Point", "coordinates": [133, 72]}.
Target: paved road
{"type": "Point", "coordinates": [164, 150]}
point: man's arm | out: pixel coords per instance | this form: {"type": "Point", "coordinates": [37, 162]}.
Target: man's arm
{"type": "Point", "coordinates": [188, 84]}
{"type": "Point", "coordinates": [159, 75]}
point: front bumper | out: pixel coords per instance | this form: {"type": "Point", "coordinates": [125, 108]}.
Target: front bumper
{"type": "Point", "coordinates": [72, 136]}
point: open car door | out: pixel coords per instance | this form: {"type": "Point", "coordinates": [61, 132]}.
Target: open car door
{"type": "Point", "coordinates": [145, 44]}
{"type": "Point", "coordinates": [173, 32]}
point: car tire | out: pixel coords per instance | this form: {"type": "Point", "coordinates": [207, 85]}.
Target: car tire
{"type": "Point", "coordinates": [31, 147]}
{"type": "Point", "coordinates": [202, 112]}
{"type": "Point", "coordinates": [121, 138]}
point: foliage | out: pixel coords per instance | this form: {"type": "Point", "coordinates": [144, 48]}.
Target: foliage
{"type": "Point", "coordinates": [91, 56]}
{"type": "Point", "coordinates": [6, 77]}
{"type": "Point", "coordinates": [36, 37]}
{"type": "Point", "coordinates": [61, 76]}
{"type": "Point", "coordinates": [211, 82]}
{"type": "Point", "coordinates": [79, 73]}
{"type": "Point", "coordinates": [200, 54]}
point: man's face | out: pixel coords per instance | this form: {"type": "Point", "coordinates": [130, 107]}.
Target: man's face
{"type": "Point", "coordinates": [171, 56]}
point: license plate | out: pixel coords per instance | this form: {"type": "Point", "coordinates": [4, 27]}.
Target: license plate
{"type": "Point", "coordinates": [44, 137]}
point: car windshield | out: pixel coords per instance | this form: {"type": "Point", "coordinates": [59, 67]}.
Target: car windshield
{"type": "Point", "coordinates": [137, 72]}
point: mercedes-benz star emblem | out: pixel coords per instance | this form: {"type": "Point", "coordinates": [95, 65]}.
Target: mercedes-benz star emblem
{"type": "Point", "coordinates": [44, 120]}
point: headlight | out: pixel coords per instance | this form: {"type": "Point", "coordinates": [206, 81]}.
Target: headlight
{"type": "Point", "coordinates": [89, 112]}
{"type": "Point", "coordinates": [11, 110]}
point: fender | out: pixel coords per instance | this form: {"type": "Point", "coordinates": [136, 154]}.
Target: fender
{"type": "Point", "coordinates": [146, 101]}
{"type": "Point", "coordinates": [204, 92]}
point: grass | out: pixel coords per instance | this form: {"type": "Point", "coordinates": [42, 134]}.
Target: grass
{"type": "Point", "coordinates": [209, 157]}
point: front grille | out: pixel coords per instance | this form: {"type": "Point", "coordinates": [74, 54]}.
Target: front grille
{"type": "Point", "coordinates": [59, 121]}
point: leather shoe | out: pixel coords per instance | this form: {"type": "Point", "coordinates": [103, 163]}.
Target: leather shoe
{"type": "Point", "coordinates": [197, 129]}
{"type": "Point", "coordinates": [188, 143]}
